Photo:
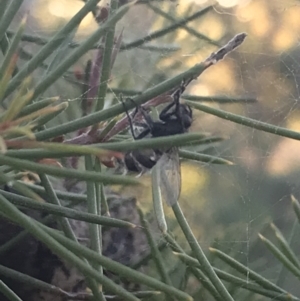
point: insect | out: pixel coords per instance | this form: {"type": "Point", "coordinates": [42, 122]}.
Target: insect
{"type": "Point", "coordinates": [175, 118]}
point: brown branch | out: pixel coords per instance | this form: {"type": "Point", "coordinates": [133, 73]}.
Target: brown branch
{"type": "Point", "coordinates": [215, 57]}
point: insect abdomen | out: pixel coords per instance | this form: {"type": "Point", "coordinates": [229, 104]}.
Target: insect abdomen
{"type": "Point", "coordinates": [139, 160]}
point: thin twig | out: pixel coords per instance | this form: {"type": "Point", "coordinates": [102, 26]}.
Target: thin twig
{"type": "Point", "coordinates": [214, 58]}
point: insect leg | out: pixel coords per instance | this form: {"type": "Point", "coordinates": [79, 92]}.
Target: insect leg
{"type": "Point", "coordinates": [176, 96]}
{"type": "Point", "coordinates": [165, 114]}
{"type": "Point", "coordinates": [129, 119]}
{"type": "Point", "coordinates": [146, 116]}
{"type": "Point", "coordinates": [147, 125]}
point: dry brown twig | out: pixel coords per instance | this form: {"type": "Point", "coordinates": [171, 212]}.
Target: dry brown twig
{"type": "Point", "coordinates": [91, 137]}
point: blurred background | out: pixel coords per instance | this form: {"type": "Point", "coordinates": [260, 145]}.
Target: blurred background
{"type": "Point", "coordinates": [226, 205]}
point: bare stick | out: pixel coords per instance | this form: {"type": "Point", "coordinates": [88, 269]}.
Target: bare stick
{"type": "Point", "coordinates": [214, 58]}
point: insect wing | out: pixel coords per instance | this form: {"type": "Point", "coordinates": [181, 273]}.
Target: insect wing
{"type": "Point", "coordinates": [169, 174]}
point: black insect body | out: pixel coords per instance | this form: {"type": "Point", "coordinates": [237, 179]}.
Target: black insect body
{"type": "Point", "coordinates": [175, 118]}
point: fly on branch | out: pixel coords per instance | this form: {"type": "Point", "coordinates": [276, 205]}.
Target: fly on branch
{"type": "Point", "coordinates": [175, 118]}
